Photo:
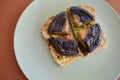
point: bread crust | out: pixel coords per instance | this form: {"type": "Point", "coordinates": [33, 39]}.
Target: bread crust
{"type": "Point", "coordinates": [44, 31]}
{"type": "Point", "coordinates": [89, 9]}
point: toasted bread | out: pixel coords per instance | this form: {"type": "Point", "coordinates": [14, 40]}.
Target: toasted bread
{"type": "Point", "coordinates": [102, 46]}
{"type": "Point", "coordinates": [59, 59]}
{"type": "Point", "coordinates": [44, 28]}
{"type": "Point", "coordinates": [62, 60]}
{"type": "Point", "coordinates": [89, 9]}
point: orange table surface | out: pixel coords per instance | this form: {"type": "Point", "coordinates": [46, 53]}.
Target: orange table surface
{"type": "Point", "coordinates": [10, 11]}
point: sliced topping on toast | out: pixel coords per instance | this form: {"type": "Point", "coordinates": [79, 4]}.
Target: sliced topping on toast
{"type": "Point", "coordinates": [90, 38]}
{"type": "Point", "coordinates": [64, 47]}
{"type": "Point", "coordinates": [80, 16]}
{"type": "Point", "coordinates": [59, 24]}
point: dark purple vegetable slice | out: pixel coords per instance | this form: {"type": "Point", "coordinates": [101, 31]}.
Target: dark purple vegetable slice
{"type": "Point", "coordinates": [83, 15]}
{"type": "Point", "coordinates": [57, 24]}
{"type": "Point", "coordinates": [92, 40]}
{"type": "Point", "coordinates": [64, 47]}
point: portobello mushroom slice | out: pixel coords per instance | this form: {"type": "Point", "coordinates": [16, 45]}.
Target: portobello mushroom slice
{"type": "Point", "coordinates": [80, 16]}
{"type": "Point", "coordinates": [89, 38]}
{"type": "Point", "coordinates": [64, 46]}
{"type": "Point", "coordinates": [59, 25]}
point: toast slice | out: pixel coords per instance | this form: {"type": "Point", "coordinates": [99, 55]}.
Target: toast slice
{"type": "Point", "coordinates": [81, 29]}
{"type": "Point", "coordinates": [65, 30]}
{"type": "Point", "coordinates": [80, 19]}
{"type": "Point", "coordinates": [63, 60]}
{"type": "Point", "coordinates": [102, 46]}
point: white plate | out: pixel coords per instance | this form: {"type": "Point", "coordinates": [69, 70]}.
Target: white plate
{"type": "Point", "coordinates": [33, 55]}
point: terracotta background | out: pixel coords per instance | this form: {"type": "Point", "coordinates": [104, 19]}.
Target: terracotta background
{"type": "Point", "coordinates": [10, 11]}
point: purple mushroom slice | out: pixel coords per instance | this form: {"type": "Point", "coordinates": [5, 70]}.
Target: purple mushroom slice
{"type": "Point", "coordinates": [64, 47]}
{"type": "Point", "coordinates": [80, 16]}
{"type": "Point", "coordinates": [58, 23]}
{"type": "Point", "coordinates": [90, 38]}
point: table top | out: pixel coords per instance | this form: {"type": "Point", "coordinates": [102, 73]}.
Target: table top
{"type": "Point", "coordinates": [10, 11]}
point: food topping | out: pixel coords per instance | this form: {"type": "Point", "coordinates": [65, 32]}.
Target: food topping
{"type": "Point", "coordinates": [58, 23]}
{"type": "Point", "coordinates": [64, 47]}
{"type": "Point", "coordinates": [90, 38]}
{"type": "Point", "coordinates": [80, 16]}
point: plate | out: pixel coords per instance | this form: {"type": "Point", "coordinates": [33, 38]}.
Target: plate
{"type": "Point", "coordinates": [34, 57]}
